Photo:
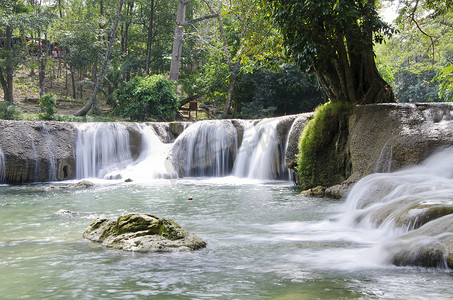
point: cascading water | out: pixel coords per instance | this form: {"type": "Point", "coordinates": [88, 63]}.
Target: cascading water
{"type": "Point", "coordinates": [400, 207]}
{"type": "Point", "coordinates": [205, 149]}
{"type": "Point", "coordinates": [35, 159]}
{"type": "Point", "coordinates": [101, 148]}
{"type": "Point", "coordinates": [384, 162]}
{"type": "Point", "coordinates": [49, 147]}
{"type": "Point", "coordinates": [259, 156]}
{"type": "Point", "coordinates": [2, 166]}
{"type": "Point", "coordinates": [154, 161]}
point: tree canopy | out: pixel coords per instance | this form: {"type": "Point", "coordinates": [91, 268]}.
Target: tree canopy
{"type": "Point", "coordinates": [335, 40]}
{"type": "Point", "coordinates": [235, 57]}
{"type": "Point", "coordinates": [418, 60]}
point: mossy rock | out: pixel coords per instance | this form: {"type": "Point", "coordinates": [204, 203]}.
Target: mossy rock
{"type": "Point", "coordinates": [142, 232]}
{"type": "Point", "coordinates": [324, 158]}
{"type": "Point", "coordinates": [176, 128]}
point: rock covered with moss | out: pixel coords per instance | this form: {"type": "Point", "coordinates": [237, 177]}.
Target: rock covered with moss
{"type": "Point", "coordinates": [143, 233]}
{"type": "Point", "coordinates": [324, 158]}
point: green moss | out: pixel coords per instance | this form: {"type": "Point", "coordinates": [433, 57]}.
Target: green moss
{"type": "Point", "coordinates": [322, 158]}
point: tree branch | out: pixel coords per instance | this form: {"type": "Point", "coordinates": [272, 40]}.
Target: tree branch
{"type": "Point", "coordinates": [199, 19]}
{"type": "Point", "coordinates": [412, 19]}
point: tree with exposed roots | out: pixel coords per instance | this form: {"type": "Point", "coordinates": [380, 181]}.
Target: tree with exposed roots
{"type": "Point", "coordinates": [334, 39]}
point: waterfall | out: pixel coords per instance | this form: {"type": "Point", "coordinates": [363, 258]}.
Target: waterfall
{"type": "Point", "coordinates": [259, 156]}
{"type": "Point", "coordinates": [2, 166]}
{"type": "Point", "coordinates": [101, 148]}
{"type": "Point", "coordinates": [384, 162]}
{"type": "Point", "coordinates": [154, 161]}
{"type": "Point", "coordinates": [35, 159]}
{"type": "Point", "coordinates": [205, 148]}
{"type": "Point", "coordinates": [52, 176]}
{"type": "Point", "coordinates": [407, 210]}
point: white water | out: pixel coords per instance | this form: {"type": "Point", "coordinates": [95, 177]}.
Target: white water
{"type": "Point", "coordinates": [52, 175]}
{"type": "Point", "coordinates": [384, 162]}
{"type": "Point", "coordinates": [101, 148]}
{"type": "Point", "coordinates": [2, 166]}
{"type": "Point", "coordinates": [35, 156]}
{"type": "Point", "coordinates": [154, 161]}
{"type": "Point", "coordinates": [204, 149]}
{"type": "Point", "coordinates": [258, 155]}
{"type": "Point", "coordinates": [387, 206]}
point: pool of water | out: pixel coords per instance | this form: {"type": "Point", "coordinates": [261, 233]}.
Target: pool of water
{"type": "Point", "coordinates": [264, 241]}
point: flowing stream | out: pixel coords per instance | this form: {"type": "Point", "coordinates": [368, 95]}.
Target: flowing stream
{"type": "Point", "coordinates": [264, 240]}
{"type": "Point", "coordinates": [2, 166]}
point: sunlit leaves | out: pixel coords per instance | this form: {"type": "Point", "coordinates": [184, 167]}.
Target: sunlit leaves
{"type": "Point", "coordinates": [312, 28]}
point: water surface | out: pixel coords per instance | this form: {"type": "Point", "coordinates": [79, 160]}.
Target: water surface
{"type": "Point", "coordinates": [264, 241]}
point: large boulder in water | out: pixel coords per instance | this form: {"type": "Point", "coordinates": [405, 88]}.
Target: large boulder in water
{"type": "Point", "coordinates": [292, 149]}
{"type": "Point", "coordinates": [142, 232]}
{"type": "Point", "coordinates": [428, 246]}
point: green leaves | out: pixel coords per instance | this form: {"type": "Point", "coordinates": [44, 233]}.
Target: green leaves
{"type": "Point", "coordinates": [47, 105]}
{"type": "Point", "coordinates": [312, 28]}
{"type": "Point", "coordinates": [445, 79]}
{"type": "Point", "coordinates": [143, 98]}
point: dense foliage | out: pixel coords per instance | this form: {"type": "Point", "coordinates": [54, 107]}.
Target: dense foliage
{"type": "Point", "coordinates": [335, 40]}
{"type": "Point", "coordinates": [417, 61]}
{"type": "Point", "coordinates": [231, 51]}
{"type": "Point", "coordinates": [146, 98]}
{"type": "Point", "coordinates": [268, 92]}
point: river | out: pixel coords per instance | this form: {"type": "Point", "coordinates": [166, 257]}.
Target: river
{"type": "Point", "coordinates": [264, 241]}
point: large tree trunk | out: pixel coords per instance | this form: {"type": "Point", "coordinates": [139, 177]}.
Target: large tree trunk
{"type": "Point", "coordinates": [97, 84]}
{"type": "Point", "coordinates": [7, 73]}
{"type": "Point", "coordinates": [178, 40]}
{"type": "Point", "coordinates": [352, 75]}
{"type": "Point", "coordinates": [229, 99]}
{"type": "Point", "coordinates": [179, 36]}
{"type": "Point", "coordinates": [150, 38]}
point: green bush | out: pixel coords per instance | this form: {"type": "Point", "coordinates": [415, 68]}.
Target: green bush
{"type": "Point", "coordinates": [48, 106]}
{"type": "Point", "coordinates": [143, 98]}
{"type": "Point", "coordinates": [322, 143]}
{"type": "Point", "coordinates": [9, 112]}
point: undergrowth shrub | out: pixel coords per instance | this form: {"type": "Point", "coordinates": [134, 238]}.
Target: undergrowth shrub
{"type": "Point", "coordinates": [48, 106]}
{"type": "Point", "coordinates": [143, 98]}
{"type": "Point", "coordinates": [9, 111]}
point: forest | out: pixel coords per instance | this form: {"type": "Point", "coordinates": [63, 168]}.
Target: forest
{"type": "Point", "coordinates": [148, 59]}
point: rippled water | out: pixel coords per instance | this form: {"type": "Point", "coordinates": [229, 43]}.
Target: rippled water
{"type": "Point", "coordinates": [264, 242]}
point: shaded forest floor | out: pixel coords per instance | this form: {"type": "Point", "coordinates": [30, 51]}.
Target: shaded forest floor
{"type": "Point", "coordinates": [58, 82]}
{"type": "Point", "coordinates": [26, 92]}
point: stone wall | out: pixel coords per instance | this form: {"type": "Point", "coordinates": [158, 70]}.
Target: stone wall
{"type": "Point", "coordinates": [383, 137]}
{"type": "Point", "coordinates": [388, 137]}
{"type": "Point", "coordinates": [37, 151]}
